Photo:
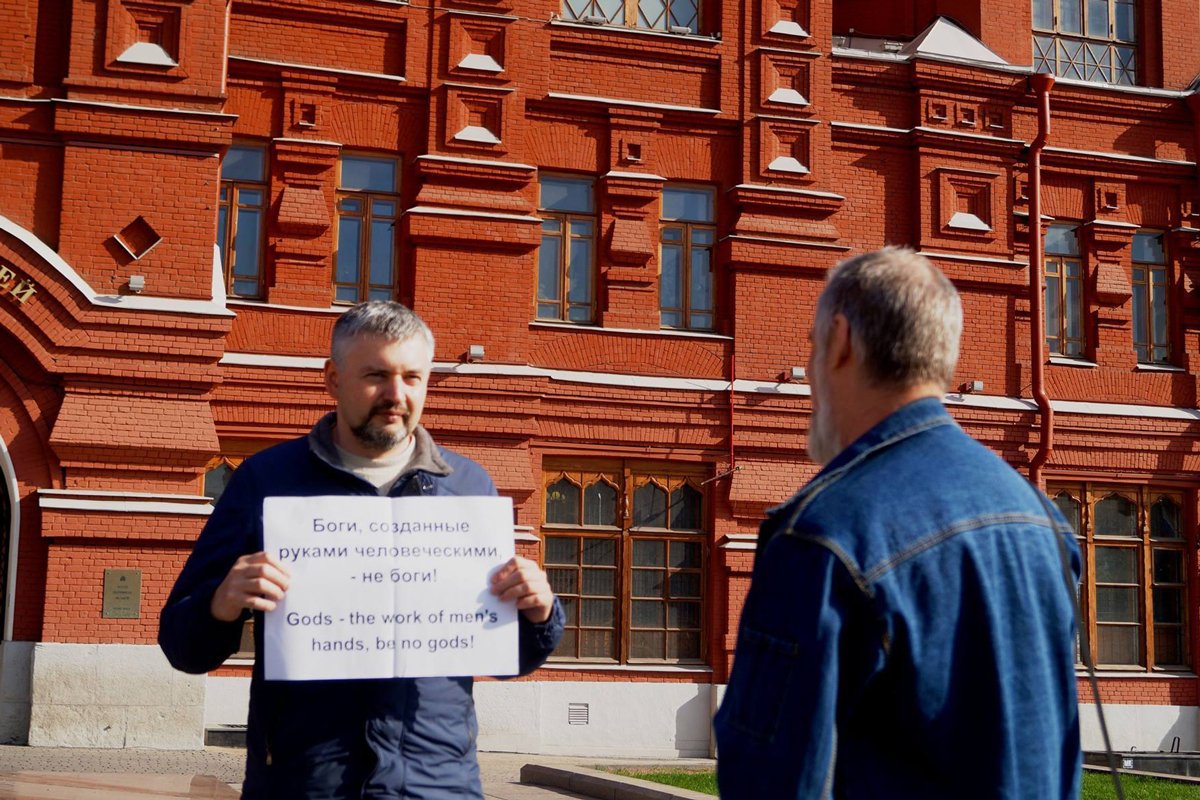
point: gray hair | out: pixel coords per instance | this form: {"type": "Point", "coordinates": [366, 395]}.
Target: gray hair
{"type": "Point", "coordinates": [904, 314]}
{"type": "Point", "coordinates": [392, 321]}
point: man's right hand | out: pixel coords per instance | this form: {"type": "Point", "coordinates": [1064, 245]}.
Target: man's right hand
{"type": "Point", "coordinates": [256, 582]}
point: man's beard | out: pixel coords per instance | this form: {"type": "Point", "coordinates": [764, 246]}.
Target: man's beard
{"type": "Point", "coordinates": [823, 445]}
{"type": "Point", "coordinates": [374, 436]}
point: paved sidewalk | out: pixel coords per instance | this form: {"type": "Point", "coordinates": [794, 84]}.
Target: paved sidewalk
{"type": "Point", "coordinates": [85, 774]}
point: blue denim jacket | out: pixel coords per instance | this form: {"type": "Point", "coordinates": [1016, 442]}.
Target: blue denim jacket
{"type": "Point", "coordinates": [908, 631]}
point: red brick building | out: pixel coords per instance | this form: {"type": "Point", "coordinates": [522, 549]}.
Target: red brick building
{"type": "Point", "coordinates": [616, 216]}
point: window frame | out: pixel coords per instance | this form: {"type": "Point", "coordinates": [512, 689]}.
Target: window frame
{"type": "Point", "coordinates": [565, 237]}
{"type": "Point", "coordinates": [1144, 496]}
{"type": "Point", "coordinates": [1148, 286]}
{"type": "Point", "coordinates": [631, 10]}
{"type": "Point", "coordinates": [229, 201]}
{"type": "Point", "coordinates": [1061, 262]}
{"type": "Point", "coordinates": [1058, 35]}
{"type": "Point", "coordinates": [626, 476]}
{"type": "Point", "coordinates": [687, 229]}
{"type": "Point", "coordinates": [368, 197]}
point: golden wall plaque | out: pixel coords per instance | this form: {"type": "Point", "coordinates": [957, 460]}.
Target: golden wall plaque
{"type": "Point", "coordinates": [122, 594]}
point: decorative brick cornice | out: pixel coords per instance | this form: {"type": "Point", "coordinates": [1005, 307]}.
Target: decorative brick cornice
{"type": "Point", "coordinates": [779, 213]}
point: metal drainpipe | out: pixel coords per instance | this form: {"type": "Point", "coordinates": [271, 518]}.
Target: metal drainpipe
{"type": "Point", "coordinates": [732, 381]}
{"type": "Point", "coordinates": [1042, 84]}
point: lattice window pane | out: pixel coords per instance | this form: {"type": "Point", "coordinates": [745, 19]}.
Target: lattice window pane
{"type": "Point", "coordinates": [1097, 18]}
{"type": "Point", "coordinates": [600, 552]}
{"type": "Point", "coordinates": [1116, 515]}
{"type": "Point", "coordinates": [650, 507]}
{"type": "Point", "coordinates": [562, 503]}
{"type": "Point", "coordinates": [685, 509]}
{"type": "Point", "coordinates": [652, 14]}
{"type": "Point", "coordinates": [646, 644]}
{"type": "Point", "coordinates": [1070, 508]}
{"type": "Point", "coordinates": [684, 14]}
{"type": "Point", "coordinates": [612, 10]}
{"type": "Point", "coordinates": [1071, 59]}
{"type": "Point", "coordinates": [1070, 16]}
{"type": "Point", "coordinates": [685, 555]}
{"type": "Point", "coordinates": [1116, 565]}
{"type": "Point", "coordinates": [562, 550]}
{"type": "Point", "coordinates": [600, 504]}
{"type": "Point", "coordinates": [1165, 520]}
{"type": "Point", "coordinates": [1117, 644]}
{"type": "Point", "coordinates": [649, 553]}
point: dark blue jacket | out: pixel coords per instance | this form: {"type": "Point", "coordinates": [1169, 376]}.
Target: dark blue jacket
{"type": "Point", "coordinates": [396, 738]}
{"type": "Point", "coordinates": [908, 633]}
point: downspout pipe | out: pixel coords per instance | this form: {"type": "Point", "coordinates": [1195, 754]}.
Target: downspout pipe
{"type": "Point", "coordinates": [1042, 84]}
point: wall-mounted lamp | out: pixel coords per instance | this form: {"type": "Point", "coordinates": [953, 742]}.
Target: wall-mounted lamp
{"type": "Point", "coordinates": [971, 387]}
{"type": "Point", "coordinates": [475, 353]}
{"type": "Point", "coordinates": [797, 374]}
{"type": "Point", "coordinates": [137, 283]}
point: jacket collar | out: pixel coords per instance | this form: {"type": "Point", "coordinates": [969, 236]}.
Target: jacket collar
{"type": "Point", "coordinates": [425, 458]}
{"type": "Point", "coordinates": [919, 415]}
{"type": "Point", "coordinates": [908, 420]}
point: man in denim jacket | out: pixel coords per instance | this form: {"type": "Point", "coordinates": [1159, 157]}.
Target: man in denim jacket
{"type": "Point", "coordinates": [908, 631]}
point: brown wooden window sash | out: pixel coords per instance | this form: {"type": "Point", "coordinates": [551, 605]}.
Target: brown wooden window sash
{"type": "Point", "coordinates": [574, 298]}
{"type": "Point", "coordinates": [366, 221]}
{"type": "Point", "coordinates": [633, 594]}
{"type": "Point", "coordinates": [1151, 307]}
{"type": "Point", "coordinates": [1065, 316]}
{"type": "Point", "coordinates": [680, 306]}
{"type": "Point", "coordinates": [241, 225]}
{"type": "Point", "coordinates": [1134, 587]}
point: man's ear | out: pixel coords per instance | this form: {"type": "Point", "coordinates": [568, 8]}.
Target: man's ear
{"type": "Point", "coordinates": [331, 377]}
{"type": "Point", "coordinates": [840, 343]}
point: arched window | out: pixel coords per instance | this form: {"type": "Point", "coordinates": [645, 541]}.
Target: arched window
{"type": "Point", "coordinates": [562, 502]}
{"type": "Point", "coordinates": [600, 504]}
{"type": "Point", "coordinates": [216, 479]}
{"type": "Point", "coordinates": [630, 576]}
{"type": "Point", "coordinates": [1133, 597]}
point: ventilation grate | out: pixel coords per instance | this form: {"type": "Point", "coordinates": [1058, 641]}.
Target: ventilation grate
{"type": "Point", "coordinates": [577, 713]}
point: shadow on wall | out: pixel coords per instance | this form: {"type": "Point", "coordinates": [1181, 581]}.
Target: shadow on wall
{"type": "Point", "coordinates": [693, 724]}
{"type": "Point", "coordinates": [1141, 727]}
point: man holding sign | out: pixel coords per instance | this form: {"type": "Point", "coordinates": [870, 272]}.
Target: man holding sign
{"type": "Point", "coordinates": [368, 548]}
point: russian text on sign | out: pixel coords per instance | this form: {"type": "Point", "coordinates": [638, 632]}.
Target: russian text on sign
{"type": "Point", "coordinates": [389, 587]}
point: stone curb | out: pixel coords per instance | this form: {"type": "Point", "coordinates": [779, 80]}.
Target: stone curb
{"type": "Point", "coordinates": [603, 785]}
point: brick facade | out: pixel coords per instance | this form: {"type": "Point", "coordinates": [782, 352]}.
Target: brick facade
{"type": "Point", "coordinates": [110, 168]}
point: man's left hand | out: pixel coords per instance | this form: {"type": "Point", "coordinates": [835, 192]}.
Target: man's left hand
{"type": "Point", "coordinates": [525, 582]}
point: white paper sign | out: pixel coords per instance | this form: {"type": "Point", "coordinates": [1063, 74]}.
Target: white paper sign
{"type": "Point", "coordinates": [389, 587]}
